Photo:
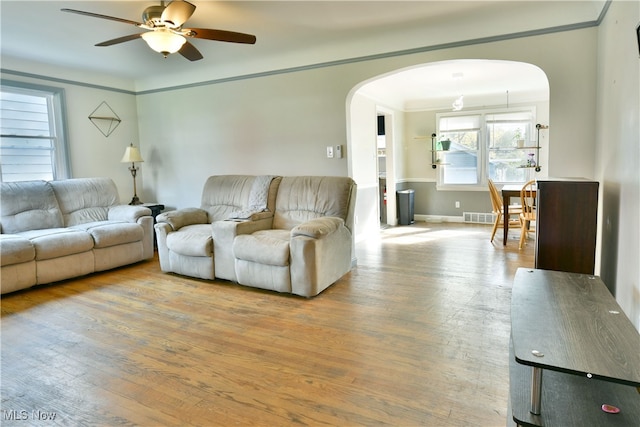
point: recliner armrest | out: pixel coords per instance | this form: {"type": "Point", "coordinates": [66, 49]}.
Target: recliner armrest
{"type": "Point", "coordinates": [317, 228]}
{"type": "Point", "coordinates": [225, 232]}
{"type": "Point", "coordinates": [128, 213]}
{"type": "Point", "coordinates": [187, 216]}
{"type": "Point", "coordinates": [261, 215]}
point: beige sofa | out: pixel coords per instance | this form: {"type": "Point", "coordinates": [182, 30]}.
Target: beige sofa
{"type": "Point", "coordinates": [56, 230]}
{"type": "Point", "coordinates": [299, 240]}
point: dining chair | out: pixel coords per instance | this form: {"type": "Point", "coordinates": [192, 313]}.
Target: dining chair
{"type": "Point", "coordinates": [528, 211]}
{"type": "Point", "coordinates": [498, 210]}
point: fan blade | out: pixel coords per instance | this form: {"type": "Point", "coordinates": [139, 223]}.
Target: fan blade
{"type": "Point", "coordinates": [190, 52]}
{"type": "Point", "coordinates": [120, 40]}
{"type": "Point", "coordinates": [97, 15]}
{"type": "Point", "coordinates": [177, 12]}
{"type": "Point", "coordinates": [220, 35]}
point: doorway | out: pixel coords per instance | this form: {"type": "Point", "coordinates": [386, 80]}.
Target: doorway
{"type": "Point", "coordinates": [381, 154]}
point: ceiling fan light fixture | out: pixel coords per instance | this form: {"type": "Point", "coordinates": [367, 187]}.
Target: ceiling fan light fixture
{"type": "Point", "coordinates": [164, 41]}
{"type": "Point", "coordinates": [165, 33]}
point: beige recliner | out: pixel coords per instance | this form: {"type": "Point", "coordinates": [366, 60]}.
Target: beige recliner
{"type": "Point", "coordinates": [197, 242]}
{"type": "Point", "coordinates": [309, 245]}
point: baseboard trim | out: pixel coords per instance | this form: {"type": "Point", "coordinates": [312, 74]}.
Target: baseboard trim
{"type": "Point", "coordinates": [439, 218]}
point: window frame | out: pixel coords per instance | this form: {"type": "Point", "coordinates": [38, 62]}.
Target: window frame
{"type": "Point", "coordinates": [483, 148]}
{"type": "Point", "coordinates": [60, 159]}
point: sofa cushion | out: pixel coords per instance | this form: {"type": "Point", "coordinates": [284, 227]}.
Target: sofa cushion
{"type": "Point", "coordinates": [269, 247]}
{"type": "Point", "coordinates": [224, 194]}
{"type": "Point", "coordinates": [111, 233]}
{"type": "Point", "coordinates": [28, 205]}
{"type": "Point", "coordinates": [15, 249]}
{"type": "Point", "coordinates": [85, 200]}
{"type": "Point", "coordinates": [192, 240]}
{"type": "Point", "coordinates": [58, 242]}
{"type": "Point", "coordinates": [302, 198]}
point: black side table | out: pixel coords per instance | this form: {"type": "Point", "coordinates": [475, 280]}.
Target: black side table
{"type": "Point", "coordinates": [156, 209]}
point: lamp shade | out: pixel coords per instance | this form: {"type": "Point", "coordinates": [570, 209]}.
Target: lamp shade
{"type": "Point", "coordinates": [131, 155]}
{"type": "Point", "coordinates": [164, 41]}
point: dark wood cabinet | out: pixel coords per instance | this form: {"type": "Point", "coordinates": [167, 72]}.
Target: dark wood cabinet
{"type": "Point", "coordinates": [566, 225]}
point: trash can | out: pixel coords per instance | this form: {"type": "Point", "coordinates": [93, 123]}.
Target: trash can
{"type": "Point", "coordinates": [405, 199]}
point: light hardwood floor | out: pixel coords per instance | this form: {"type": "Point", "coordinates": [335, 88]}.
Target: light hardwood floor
{"type": "Point", "coordinates": [416, 335]}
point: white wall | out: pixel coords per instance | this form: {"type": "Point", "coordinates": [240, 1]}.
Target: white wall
{"type": "Point", "coordinates": [273, 125]}
{"type": "Point", "coordinates": [618, 155]}
{"type": "Point", "coordinates": [419, 125]}
{"type": "Point", "coordinates": [362, 130]}
{"type": "Point", "coordinates": [571, 139]}
{"type": "Point", "coordinates": [282, 123]}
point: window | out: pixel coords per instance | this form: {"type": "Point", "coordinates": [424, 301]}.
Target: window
{"type": "Point", "coordinates": [486, 145]}
{"type": "Point", "coordinates": [33, 144]}
{"type": "Point", "coordinates": [462, 159]}
{"type": "Point", "coordinates": [508, 134]}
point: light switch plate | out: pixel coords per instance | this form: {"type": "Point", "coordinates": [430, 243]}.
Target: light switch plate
{"type": "Point", "coordinates": [339, 151]}
{"type": "Point", "coordinates": [329, 151]}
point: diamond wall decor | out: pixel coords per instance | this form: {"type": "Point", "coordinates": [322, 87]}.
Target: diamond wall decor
{"type": "Point", "coordinates": [105, 119]}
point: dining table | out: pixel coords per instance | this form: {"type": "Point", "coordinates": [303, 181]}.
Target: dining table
{"type": "Point", "coordinates": [509, 191]}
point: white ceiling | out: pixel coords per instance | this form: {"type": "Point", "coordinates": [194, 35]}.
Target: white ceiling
{"type": "Point", "coordinates": [483, 83]}
{"type": "Point", "coordinates": [289, 34]}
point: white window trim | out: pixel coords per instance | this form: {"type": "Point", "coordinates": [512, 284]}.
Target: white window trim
{"type": "Point", "coordinates": [483, 148]}
{"type": "Point", "coordinates": [61, 163]}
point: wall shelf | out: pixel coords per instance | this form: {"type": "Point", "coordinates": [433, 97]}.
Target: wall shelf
{"type": "Point", "coordinates": [435, 161]}
{"type": "Point", "coordinates": [537, 166]}
{"type": "Point", "coordinates": [105, 119]}
{"type": "Point", "coordinates": [535, 149]}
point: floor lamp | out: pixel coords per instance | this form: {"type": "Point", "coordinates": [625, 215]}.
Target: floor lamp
{"type": "Point", "coordinates": [132, 155]}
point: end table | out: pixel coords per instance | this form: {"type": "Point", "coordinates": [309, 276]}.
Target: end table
{"type": "Point", "coordinates": [156, 209]}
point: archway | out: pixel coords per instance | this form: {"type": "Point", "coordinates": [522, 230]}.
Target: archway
{"type": "Point", "coordinates": [428, 88]}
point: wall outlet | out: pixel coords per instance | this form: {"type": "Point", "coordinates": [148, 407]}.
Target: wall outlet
{"type": "Point", "coordinates": [457, 204]}
{"type": "Point", "coordinates": [329, 151]}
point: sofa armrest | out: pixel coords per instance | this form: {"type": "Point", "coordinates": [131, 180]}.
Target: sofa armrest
{"type": "Point", "coordinates": [318, 228]}
{"type": "Point", "coordinates": [127, 213]}
{"type": "Point", "coordinates": [182, 217]}
{"type": "Point", "coordinates": [136, 214]}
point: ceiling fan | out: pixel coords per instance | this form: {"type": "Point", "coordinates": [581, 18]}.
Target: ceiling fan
{"type": "Point", "coordinates": [166, 34]}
